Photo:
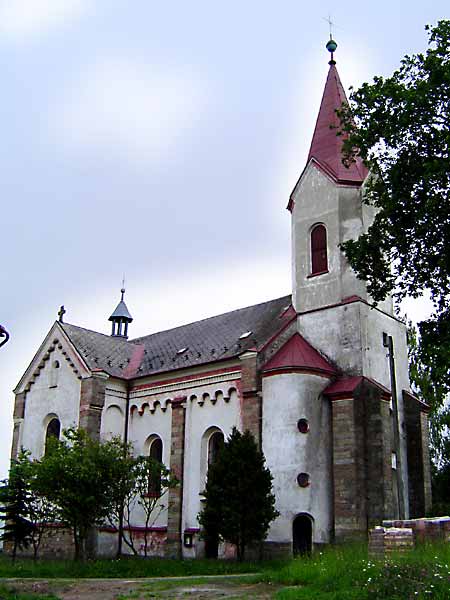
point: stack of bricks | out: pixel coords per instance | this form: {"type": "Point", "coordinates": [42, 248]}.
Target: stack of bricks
{"type": "Point", "coordinates": [385, 541]}
{"type": "Point", "coordinates": [425, 530]}
{"type": "Point", "coordinates": [403, 535]}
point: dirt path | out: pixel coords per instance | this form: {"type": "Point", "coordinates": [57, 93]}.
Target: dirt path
{"type": "Point", "coordinates": [201, 588]}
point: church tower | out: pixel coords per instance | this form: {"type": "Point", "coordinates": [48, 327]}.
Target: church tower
{"type": "Point", "coordinates": [335, 312]}
{"type": "Point", "coordinates": [327, 209]}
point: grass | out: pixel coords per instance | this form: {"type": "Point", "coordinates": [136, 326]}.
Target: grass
{"type": "Point", "coordinates": [6, 594]}
{"type": "Point", "coordinates": [126, 568]}
{"type": "Point", "coordinates": [347, 574]}
{"type": "Point", "coordinates": [337, 573]}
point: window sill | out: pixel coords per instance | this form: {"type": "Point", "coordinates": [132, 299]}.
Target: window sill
{"type": "Point", "coordinates": [317, 274]}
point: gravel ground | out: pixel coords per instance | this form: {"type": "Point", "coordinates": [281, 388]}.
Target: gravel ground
{"type": "Point", "coordinates": [201, 588]}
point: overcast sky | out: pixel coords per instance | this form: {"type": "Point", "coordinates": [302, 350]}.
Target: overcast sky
{"type": "Point", "coordinates": [162, 140]}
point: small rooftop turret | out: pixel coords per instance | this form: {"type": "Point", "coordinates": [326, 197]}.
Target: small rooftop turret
{"type": "Point", "coordinates": [120, 318]}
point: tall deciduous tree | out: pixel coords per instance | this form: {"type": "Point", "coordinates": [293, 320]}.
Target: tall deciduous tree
{"type": "Point", "coordinates": [240, 504]}
{"type": "Point", "coordinates": [430, 389]}
{"type": "Point", "coordinates": [79, 475]}
{"type": "Point", "coordinates": [427, 386]}
{"type": "Point", "coordinates": [400, 126]}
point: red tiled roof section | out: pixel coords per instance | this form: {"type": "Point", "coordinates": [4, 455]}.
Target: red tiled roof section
{"type": "Point", "coordinates": [326, 146]}
{"type": "Point", "coordinates": [297, 353]}
{"type": "Point", "coordinates": [346, 386]}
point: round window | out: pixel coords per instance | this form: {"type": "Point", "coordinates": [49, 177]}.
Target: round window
{"type": "Point", "coordinates": [303, 425]}
{"type": "Point", "coordinates": [303, 480]}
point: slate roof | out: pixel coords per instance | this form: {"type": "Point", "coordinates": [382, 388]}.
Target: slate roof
{"type": "Point", "coordinates": [121, 311]}
{"type": "Point", "coordinates": [100, 351]}
{"type": "Point", "coordinates": [208, 340]}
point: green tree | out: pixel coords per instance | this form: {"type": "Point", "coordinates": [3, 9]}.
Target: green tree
{"type": "Point", "coordinates": [400, 125]}
{"type": "Point", "coordinates": [142, 483]}
{"type": "Point", "coordinates": [15, 498]}
{"type": "Point", "coordinates": [441, 481]}
{"type": "Point", "coordinates": [430, 389]}
{"type": "Point", "coordinates": [78, 475]}
{"type": "Point", "coordinates": [152, 483]}
{"type": "Point", "coordinates": [239, 504]}
{"type": "Point", "coordinates": [427, 385]}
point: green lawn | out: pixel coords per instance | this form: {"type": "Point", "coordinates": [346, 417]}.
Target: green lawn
{"type": "Point", "coordinates": [6, 594]}
{"type": "Point", "coordinates": [337, 573]}
{"type": "Point", "coordinates": [127, 568]}
{"type": "Point", "coordinates": [347, 574]}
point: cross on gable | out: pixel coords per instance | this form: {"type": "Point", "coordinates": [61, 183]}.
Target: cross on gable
{"type": "Point", "coordinates": [62, 311]}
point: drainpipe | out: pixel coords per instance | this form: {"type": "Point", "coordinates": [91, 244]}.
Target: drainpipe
{"type": "Point", "coordinates": [125, 442]}
{"type": "Point", "coordinates": [389, 344]}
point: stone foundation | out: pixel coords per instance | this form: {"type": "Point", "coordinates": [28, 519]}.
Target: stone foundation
{"type": "Point", "coordinates": [57, 542]}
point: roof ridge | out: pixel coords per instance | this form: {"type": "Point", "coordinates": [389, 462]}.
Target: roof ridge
{"type": "Point", "coordinates": [229, 312]}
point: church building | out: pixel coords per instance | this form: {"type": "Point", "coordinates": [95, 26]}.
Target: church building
{"type": "Point", "coordinates": [319, 377]}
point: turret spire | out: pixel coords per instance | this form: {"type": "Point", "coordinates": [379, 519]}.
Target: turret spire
{"type": "Point", "coordinates": [326, 145]}
{"type": "Point", "coordinates": [121, 317]}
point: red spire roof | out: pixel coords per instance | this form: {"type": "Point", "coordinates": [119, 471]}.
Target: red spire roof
{"type": "Point", "coordinates": [297, 353]}
{"type": "Point", "coordinates": [326, 146]}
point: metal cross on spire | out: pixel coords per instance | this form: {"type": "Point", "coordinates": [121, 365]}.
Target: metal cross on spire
{"type": "Point", "coordinates": [330, 24]}
{"type": "Point", "coordinates": [123, 286]}
{"type": "Point", "coordinates": [331, 44]}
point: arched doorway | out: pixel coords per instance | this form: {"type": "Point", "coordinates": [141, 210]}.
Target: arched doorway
{"type": "Point", "coordinates": [302, 534]}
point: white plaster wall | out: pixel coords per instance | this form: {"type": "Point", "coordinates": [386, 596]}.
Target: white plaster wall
{"type": "Point", "coordinates": [62, 400]}
{"type": "Point", "coordinates": [369, 213]}
{"type": "Point", "coordinates": [351, 336]}
{"type": "Point", "coordinates": [286, 399]}
{"type": "Point", "coordinates": [203, 411]}
{"type": "Point", "coordinates": [336, 333]}
{"type": "Point", "coordinates": [156, 421]}
{"type": "Point", "coordinates": [113, 414]}
{"type": "Point", "coordinates": [319, 200]}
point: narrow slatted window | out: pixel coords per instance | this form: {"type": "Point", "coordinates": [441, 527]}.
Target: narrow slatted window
{"type": "Point", "coordinates": [319, 259]}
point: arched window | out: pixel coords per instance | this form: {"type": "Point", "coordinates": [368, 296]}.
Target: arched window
{"type": "Point", "coordinates": [53, 431]}
{"type": "Point", "coordinates": [319, 259]}
{"type": "Point", "coordinates": [215, 444]}
{"type": "Point", "coordinates": [156, 454]}
{"type": "Point", "coordinates": [156, 449]}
